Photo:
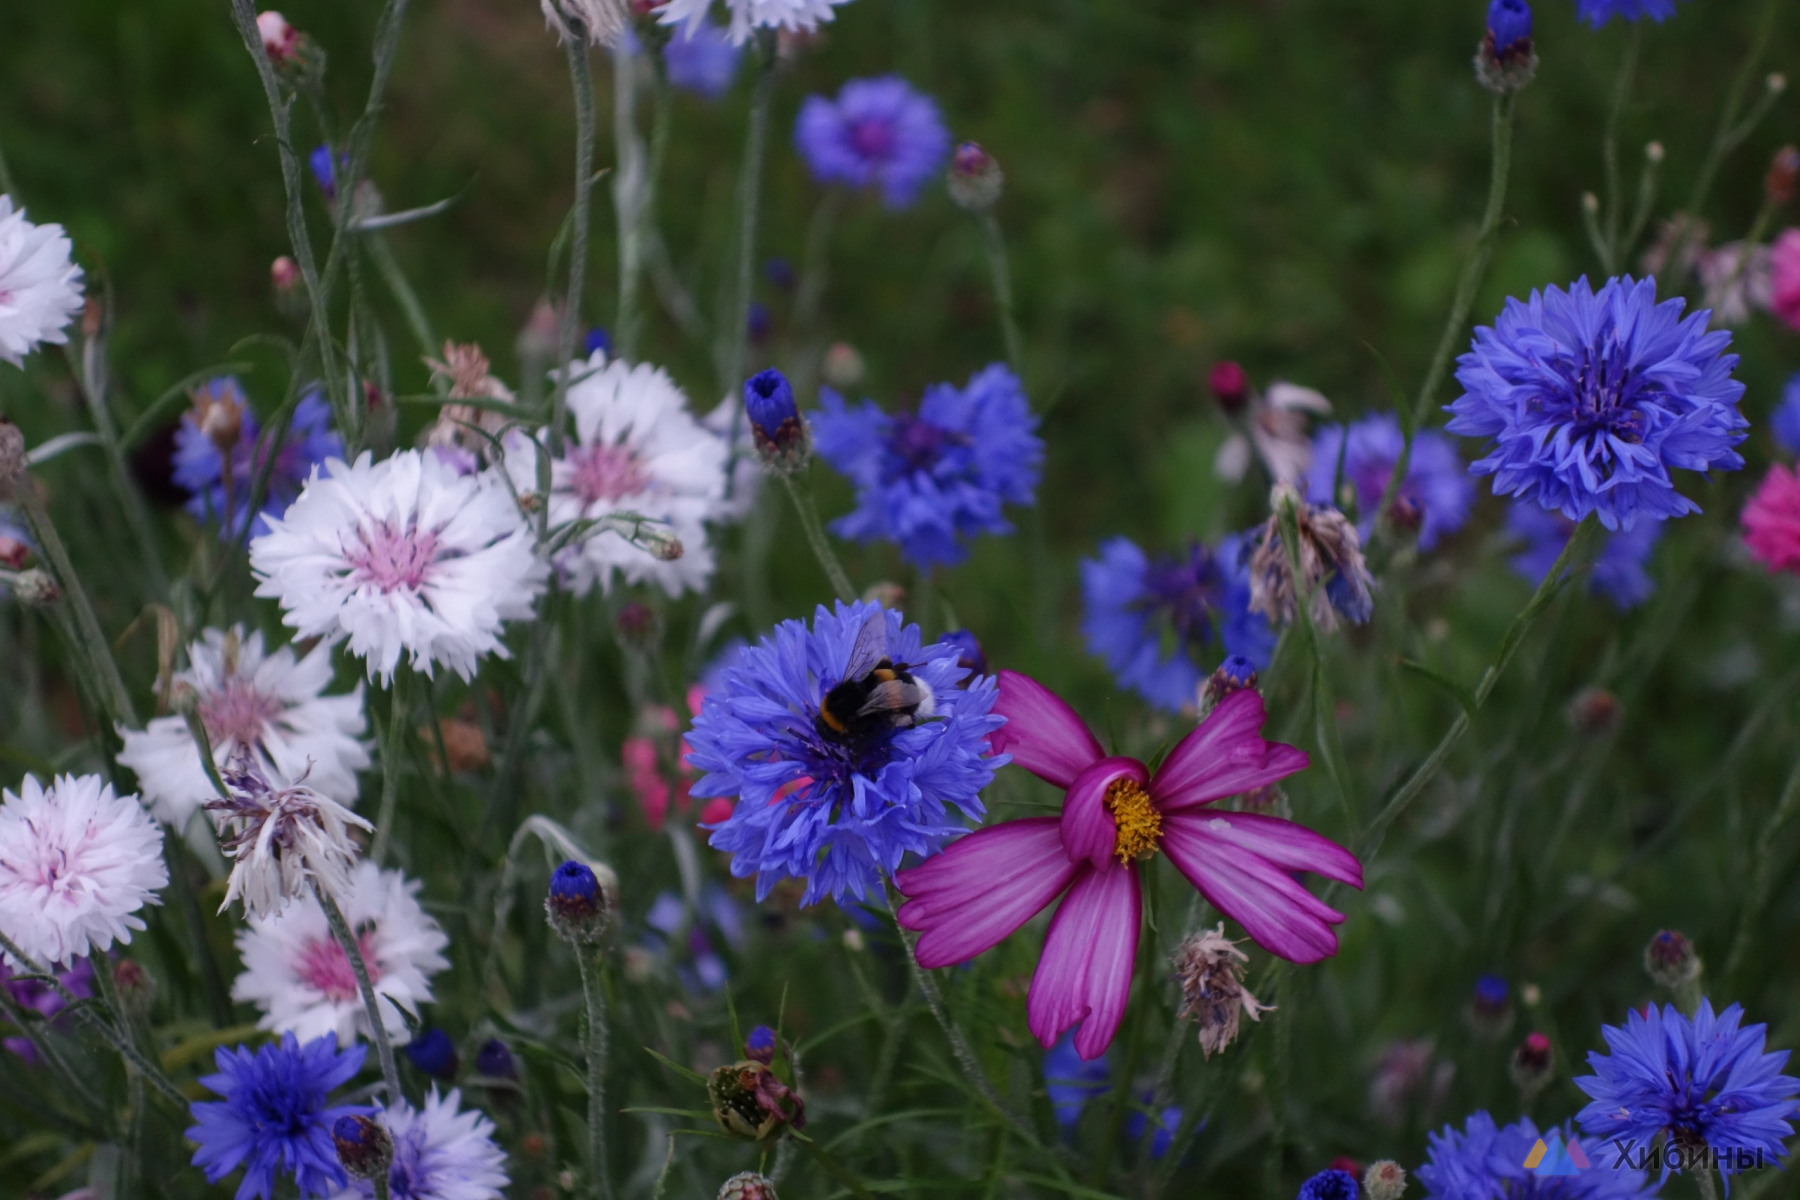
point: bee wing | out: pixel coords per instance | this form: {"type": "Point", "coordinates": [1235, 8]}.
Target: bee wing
{"type": "Point", "coordinates": [896, 695]}
{"type": "Point", "coordinates": [870, 648]}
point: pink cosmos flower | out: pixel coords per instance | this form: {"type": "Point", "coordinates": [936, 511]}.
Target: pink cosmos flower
{"type": "Point", "coordinates": [1772, 521]}
{"type": "Point", "coordinates": [1784, 286]}
{"type": "Point", "coordinates": [1116, 814]}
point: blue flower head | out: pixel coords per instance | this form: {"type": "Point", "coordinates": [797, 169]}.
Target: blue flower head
{"type": "Point", "coordinates": [1598, 12]}
{"type": "Point", "coordinates": [495, 1061]}
{"type": "Point", "coordinates": [1508, 24]}
{"type": "Point", "coordinates": [1481, 1161]}
{"type": "Point", "coordinates": [701, 59]}
{"type": "Point", "coordinates": [1785, 423]}
{"type": "Point", "coordinates": [1166, 1125]}
{"type": "Point", "coordinates": [1071, 1080]}
{"type": "Point", "coordinates": [274, 1116]}
{"type": "Point", "coordinates": [1437, 484]}
{"type": "Point", "coordinates": [1618, 572]}
{"type": "Point", "coordinates": [839, 809]}
{"type": "Point", "coordinates": [1590, 400]}
{"type": "Point", "coordinates": [433, 1053]}
{"type": "Point", "coordinates": [1150, 617]}
{"type": "Point", "coordinates": [878, 133]}
{"type": "Point", "coordinates": [933, 481]}
{"type": "Point", "coordinates": [1702, 1082]}
{"type": "Point", "coordinates": [1330, 1185]}
{"type": "Point", "coordinates": [200, 468]}
{"type": "Point", "coordinates": [325, 170]}
{"type": "Point", "coordinates": [597, 341]}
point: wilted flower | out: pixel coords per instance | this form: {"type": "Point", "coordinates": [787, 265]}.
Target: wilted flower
{"type": "Point", "coordinates": [219, 451]}
{"type": "Point", "coordinates": [750, 1101]}
{"type": "Point", "coordinates": [40, 285]}
{"type": "Point", "coordinates": [280, 838]}
{"type": "Point", "coordinates": [1210, 969]}
{"type": "Point", "coordinates": [877, 133]}
{"type": "Point", "coordinates": [1784, 174]}
{"type": "Point", "coordinates": [1332, 569]}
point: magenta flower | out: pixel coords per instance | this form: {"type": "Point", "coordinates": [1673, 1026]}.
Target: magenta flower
{"type": "Point", "coordinates": [1116, 814]}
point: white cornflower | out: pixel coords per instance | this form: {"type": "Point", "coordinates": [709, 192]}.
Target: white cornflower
{"type": "Point", "coordinates": [636, 449]}
{"type": "Point", "coordinates": [298, 975]}
{"type": "Point", "coordinates": [1276, 420]}
{"type": "Point", "coordinates": [76, 862]}
{"type": "Point", "coordinates": [795, 16]}
{"type": "Point", "coordinates": [404, 557]}
{"type": "Point", "coordinates": [40, 285]}
{"type": "Point", "coordinates": [440, 1153]}
{"type": "Point", "coordinates": [746, 468]}
{"type": "Point", "coordinates": [280, 838]}
{"type": "Point", "coordinates": [273, 704]}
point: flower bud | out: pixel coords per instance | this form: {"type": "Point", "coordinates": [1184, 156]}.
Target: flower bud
{"type": "Point", "coordinates": [578, 906]}
{"type": "Point", "coordinates": [1595, 711]}
{"type": "Point", "coordinates": [748, 1101]}
{"type": "Point", "coordinates": [1533, 1065]}
{"type": "Point", "coordinates": [747, 1185]}
{"type": "Point", "coordinates": [597, 341]}
{"type": "Point", "coordinates": [975, 180]}
{"type": "Point", "coordinates": [280, 40]}
{"type": "Point", "coordinates": [537, 340]}
{"type": "Point", "coordinates": [1229, 385]}
{"type": "Point", "coordinates": [134, 985]}
{"type": "Point", "coordinates": [775, 422]}
{"type": "Point", "coordinates": [1384, 1180]}
{"type": "Point", "coordinates": [1778, 184]}
{"type": "Point", "coordinates": [1405, 515]}
{"type": "Point", "coordinates": [843, 366]}
{"type": "Point", "coordinates": [13, 552]}
{"type": "Point", "coordinates": [325, 170]}
{"type": "Point", "coordinates": [434, 1053]}
{"type": "Point", "coordinates": [1776, 83]}
{"type": "Point", "coordinates": [1670, 959]}
{"type": "Point", "coordinates": [637, 625]}
{"type": "Point", "coordinates": [495, 1061]}
{"type": "Point", "coordinates": [1506, 62]}
{"type": "Point", "coordinates": [760, 1045]}
{"type": "Point", "coordinates": [1490, 1009]}
{"type": "Point", "coordinates": [363, 1147]}
{"type": "Point", "coordinates": [12, 457]}
{"type": "Point", "coordinates": [35, 588]}
{"type": "Point", "coordinates": [1235, 674]}
{"type": "Point", "coordinates": [1334, 1184]}
{"type": "Point", "coordinates": [1653, 153]}
{"type": "Point", "coordinates": [667, 547]}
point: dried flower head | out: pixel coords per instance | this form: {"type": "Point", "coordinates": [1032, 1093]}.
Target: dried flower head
{"type": "Point", "coordinates": [751, 1102]}
{"type": "Point", "coordinates": [1210, 968]}
{"type": "Point", "coordinates": [1333, 572]}
{"type": "Point", "coordinates": [280, 838]}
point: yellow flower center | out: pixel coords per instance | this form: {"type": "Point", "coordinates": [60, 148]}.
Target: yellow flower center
{"type": "Point", "coordinates": [1139, 824]}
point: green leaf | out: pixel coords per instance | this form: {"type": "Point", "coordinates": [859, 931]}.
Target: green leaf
{"type": "Point", "coordinates": [675, 1066]}
{"type": "Point", "coordinates": [1464, 697]}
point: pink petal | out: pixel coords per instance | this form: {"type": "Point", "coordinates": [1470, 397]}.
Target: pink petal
{"type": "Point", "coordinates": [1089, 832]}
{"type": "Point", "coordinates": [1042, 734]}
{"type": "Point", "coordinates": [1285, 844]}
{"type": "Point", "coordinates": [1085, 972]}
{"type": "Point", "coordinates": [982, 887]}
{"type": "Point", "coordinates": [1272, 906]}
{"type": "Point", "coordinates": [1225, 756]}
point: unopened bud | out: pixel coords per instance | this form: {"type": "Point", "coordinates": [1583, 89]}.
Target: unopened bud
{"type": "Point", "coordinates": [843, 366]}
{"type": "Point", "coordinates": [1778, 184]}
{"type": "Point", "coordinates": [580, 907]}
{"type": "Point", "coordinates": [1229, 385]}
{"type": "Point", "coordinates": [1670, 960]}
{"type": "Point", "coordinates": [1776, 83]}
{"type": "Point", "coordinates": [135, 986]}
{"type": "Point", "coordinates": [1595, 711]}
{"type": "Point", "coordinates": [747, 1185]}
{"type": "Point", "coordinates": [1235, 674]}
{"type": "Point", "coordinates": [1405, 515]}
{"type": "Point", "coordinates": [748, 1101]}
{"type": "Point", "coordinates": [1653, 152]}
{"type": "Point", "coordinates": [280, 40]}
{"type": "Point", "coordinates": [760, 1045]}
{"type": "Point", "coordinates": [12, 457]}
{"type": "Point", "coordinates": [495, 1061]}
{"type": "Point", "coordinates": [363, 1147]}
{"type": "Point", "coordinates": [1384, 1180]}
{"type": "Point", "coordinates": [1533, 1065]}
{"type": "Point", "coordinates": [776, 426]}
{"type": "Point", "coordinates": [637, 625]}
{"type": "Point", "coordinates": [537, 340]}
{"type": "Point", "coordinates": [1590, 203]}
{"type": "Point", "coordinates": [434, 1053]}
{"type": "Point", "coordinates": [35, 588]}
{"type": "Point", "coordinates": [667, 547]}
{"type": "Point", "coordinates": [1490, 1010]}
{"type": "Point", "coordinates": [284, 274]}
{"type": "Point", "coordinates": [975, 180]}
{"type": "Point", "coordinates": [1505, 62]}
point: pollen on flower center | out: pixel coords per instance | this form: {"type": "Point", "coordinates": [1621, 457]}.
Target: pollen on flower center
{"type": "Point", "coordinates": [607, 473]}
{"type": "Point", "coordinates": [391, 558]}
{"type": "Point", "coordinates": [1139, 824]}
{"type": "Point", "coordinates": [325, 967]}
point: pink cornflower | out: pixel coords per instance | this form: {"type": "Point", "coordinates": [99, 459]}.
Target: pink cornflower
{"type": "Point", "coordinates": [1784, 277]}
{"type": "Point", "coordinates": [1772, 520]}
{"type": "Point", "coordinates": [1115, 815]}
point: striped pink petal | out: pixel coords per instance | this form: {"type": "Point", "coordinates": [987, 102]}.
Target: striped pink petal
{"type": "Point", "coordinates": [982, 887]}
{"type": "Point", "coordinates": [1290, 846]}
{"type": "Point", "coordinates": [1222, 857]}
{"type": "Point", "coordinates": [1226, 755]}
{"type": "Point", "coordinates": [1089, 832]}
{"type": "Point", "coordinates": [1042, 734]}
{"type": "Point", "coordinates": [1085, 972]}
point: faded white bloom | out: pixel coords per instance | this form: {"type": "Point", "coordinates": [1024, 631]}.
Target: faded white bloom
{"type": "Point", "coordinates": [76, 864]}
{"type": "Point", "coordinates": [1739, 282]}
{"type": "Point", "coordinates": [1210, 969]}
{"type": "Point", "coordinates": [1277, 423]}
{"type": "Point", "coordinates": [272, 704]}
{"type": "Point", "coordinates": [747, 16]}
{"type": "Point", "coordinates": [280, 838]}
{"type": "Point", "coordinates": [301, 979]}
{"type": "Point", "coordinates": [40, 285]}
{"type": "Point", "coordinates": [404, 557]}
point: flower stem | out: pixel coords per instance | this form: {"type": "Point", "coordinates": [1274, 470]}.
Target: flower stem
{"type": "Point", "coordinates": [1704, 1180]}
{"type": "Point", "coordinates": [1760, 875]}
{"type": "Point", "coordinates": [994, 242]}
{"type": "Point", "coordinates": [594, 994]}
{"type": "Point", "coordinates": [631, 197]}
{"type": "Point", "coordinates": [35, 1032]}
{"type": "Point", "coordinates": [1609, 149]}
{"type": "Point", "coordinates": [836, 1170]}
{"type": "Point", "coordinates": [346, 938]}
{"type": "Point", "coordinates": [581, 77]}
{"type": "Point", "coordinates": [1731, 131]}
{"type": "Point", "coordinates": [735, 335]}
{"type": "Point", "coordinates": [393, 738]}
{"type": "Point", "coordinates": [815, 537]}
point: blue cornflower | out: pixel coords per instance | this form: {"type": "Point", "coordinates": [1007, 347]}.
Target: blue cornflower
{"type": "Point", "coordinates": [838, 809]}
{"type": "Point", "coordinates": [273, 1117]}
{"type": "Point", "coordinates": [1598, 12]}
{"type": "Point", "coordinates": [199, 466]}
{"type": "Point", "coordinates": [1071, 1080]}
{"type": "Point", "coordinates": [1437, 488]}
{"type": "Point", "coordinates": [1481, 1161]}
{"type": "Point", "coordinates": [931, 482]}
{"type": "Point", "coordinates": [878, 132]}
{"type": "Point", "coordinates": [1166, 1125]}
{"type": "Point", "coordinates": [1148, 617]}
{"type": "Point", "coordinates": [1591, 399]}
{"type": "Point", "coordinates": [1618, 572]}
{"type": "Point", "coordinates": [701, 59]}
{"type": "Point", "coordinates": [1702, 1082]}
{"type": "Point", "coordinates": [1330, 1185]}
{"type": "Point", "coordinates": [1785, 423]}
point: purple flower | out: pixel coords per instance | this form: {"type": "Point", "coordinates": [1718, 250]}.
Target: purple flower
{"type": "Point", "coordinates": [933, 481]}
{"type": "Point", "coordinates": [1481, 1161]}
{"type": "Point", "coordinates": [1618, 571]}
{"type": "Point", "coordinates": [200, 468]}
{"type": "Point", "coordinates": [878, 132]}
{"type": "Point", "coordinates": [701, 59]}
{"type": "Point", "coordinates": [1785, 423]}
{"type": "Point", "coordinates": [1437, 484]}
{"type": "Point", "coordinates": [1116, 813]}
{"type": "Point", "coordinates": [1590, 400]}
{"type": "Point", "coordinates": [43, 999]}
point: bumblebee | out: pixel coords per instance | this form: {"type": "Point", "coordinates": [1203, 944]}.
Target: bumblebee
{"type": "Point", "coordinates": [877, 694]}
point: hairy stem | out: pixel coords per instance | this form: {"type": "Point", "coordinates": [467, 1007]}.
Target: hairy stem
{"type": "Point", "coordinates": [346, 938]}
{"type": "Point", "coordinates": [1609, 148]}
{"type": "Point", "coordinates": [631, 196]}
{"type": "Point", "coordinates": [581, 77]}
{"type": "Point", "coordinates": [594, 996]}
{"type": "Point", "coordinates": [735, 335]}
{"type": "Point", "coordinates": [994, 242]}
{"type": "Point", "coordinates": [801, 494]}
{"type": "Point", "coordinates": [393, 737]}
